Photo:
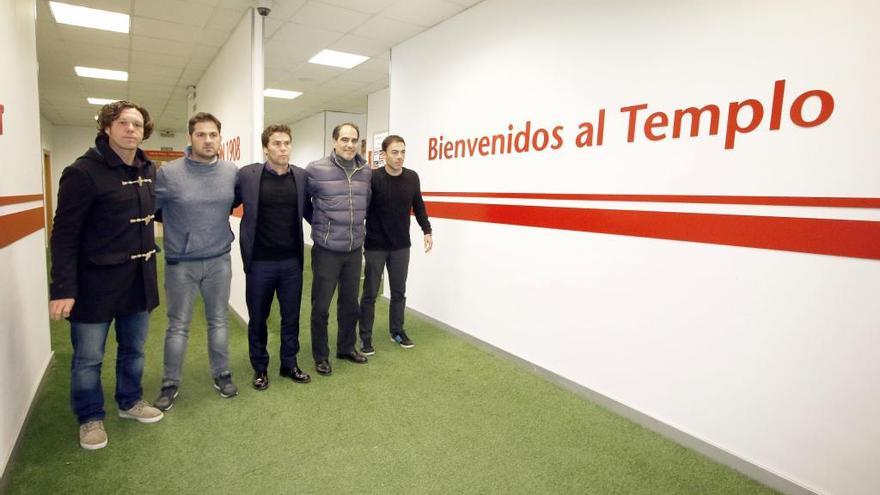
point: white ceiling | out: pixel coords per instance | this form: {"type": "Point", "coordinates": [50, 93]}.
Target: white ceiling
{"type": "Point", "coordinates": [172, 42]}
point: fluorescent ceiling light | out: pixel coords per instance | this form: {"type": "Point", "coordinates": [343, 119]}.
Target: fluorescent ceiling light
{"type": "Point", "coordinates": [338, 59]}
{"type": "Point", "coordinates": [76, 15]}
{"type": "Point", "coordinates": [114, 75]}
{"type": "Point", "coordinates": [280, 93]}
{"type": "Point", "coordinates": [99, 101]}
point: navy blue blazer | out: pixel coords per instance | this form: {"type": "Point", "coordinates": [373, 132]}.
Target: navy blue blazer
{"type": "Point", "coordinates": [247, 193]}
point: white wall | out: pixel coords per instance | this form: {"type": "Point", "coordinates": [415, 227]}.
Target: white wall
{"type": "Point", "coordinates": [307, 140]}
{"type": "Point", "coordinates": [377, 117]}
{"type": "Point", "coordinates": [768, 354]}
{"type": "Point", "coordinates": [46, 134]}
{"type": "Point", "coordinates": [236, 98]}
{"type": "Point", "coordinates": [24, 326]}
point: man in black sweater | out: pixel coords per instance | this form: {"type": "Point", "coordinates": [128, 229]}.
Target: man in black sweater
{"type": "Point", "coordinates": [395, 192]}
{"type": "Point", "coordinates": [275, 200]}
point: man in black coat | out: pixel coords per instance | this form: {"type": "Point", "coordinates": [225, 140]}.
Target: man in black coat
{"type": "Point", "coordinates": [274, 197]}
{"type": "Point", "coordinates": [104, 266]}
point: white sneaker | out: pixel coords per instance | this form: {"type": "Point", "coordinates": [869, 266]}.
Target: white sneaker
{"type": "Point", "coordinates": [142, 412]}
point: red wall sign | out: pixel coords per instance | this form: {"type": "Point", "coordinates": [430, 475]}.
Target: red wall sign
{"type": "Point", "coordinates": [231, 150]}
{"type": "Point", "coordinates": [162, 155]}
{"type": "Point", "coordinates": [1, 119]}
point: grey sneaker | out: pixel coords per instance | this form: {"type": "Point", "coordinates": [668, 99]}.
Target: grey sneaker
{"type": "Point", "coordinates": [224, 385]}
{"type": "Point", "coordinates": [142, 413]}
{"type": "Point", "coordinates": [92, 435]}
{"type": "Point", "coordinates": [166, 397]}
{"type": "Point", "coordinates": [402, 339]}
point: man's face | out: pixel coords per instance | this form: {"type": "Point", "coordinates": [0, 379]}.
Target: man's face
{"type": "Point", "coordinates": [395, 154]}
{"type": "Point", "coordinates": [347, 142]}
{"type": "Point", "coordinates": [278, 149]}
{"type": "Point", "coordinates": [127, 131]}
{"type": "Point", "coordinates": [205, 141]}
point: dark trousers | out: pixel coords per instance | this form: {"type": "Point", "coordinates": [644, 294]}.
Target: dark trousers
{"type": "Point", "coordinates": [397, 262]}
{"type": "Point", "coordinates": [329, 269]}
{"type": "Point", "coordinates": [262, 282]}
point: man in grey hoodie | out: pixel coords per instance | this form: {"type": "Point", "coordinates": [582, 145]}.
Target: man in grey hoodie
{"type": "Point", "coordinates": [339, 186]}
{"type": "Point", "coordinates": [195, 195]}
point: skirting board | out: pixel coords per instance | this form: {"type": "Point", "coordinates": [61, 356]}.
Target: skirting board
{"type": "Point", "coordinates": [13, 454]}
{"type": "Point", "coordinates": [757, 473]}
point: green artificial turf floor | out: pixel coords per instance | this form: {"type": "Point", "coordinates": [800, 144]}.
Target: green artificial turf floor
{"type": "Point", "coordinates": [443, 417]}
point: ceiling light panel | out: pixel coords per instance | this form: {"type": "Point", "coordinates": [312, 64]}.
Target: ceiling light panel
{"type": "Point", "coordinates": [99, 101]}
{"type": "Point", "coordinates": [76, 15]}
{"type": "Point", "coordinates": [280, 93]}
{"type": "Point", "coordinates": [113, 75]}
{"type": "Point", "coordinates": [338, 59]}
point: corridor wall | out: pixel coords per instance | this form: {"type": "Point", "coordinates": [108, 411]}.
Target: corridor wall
{"type": "Point", "coordinates": [675, 205]}
{"type": "Point", "coordinates": [377, 119]}
{"type": "Point", "coordinates": [25, 352]}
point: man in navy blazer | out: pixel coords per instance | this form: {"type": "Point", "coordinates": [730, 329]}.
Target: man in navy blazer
{"type": "Point", "coordinates": [275, 202]}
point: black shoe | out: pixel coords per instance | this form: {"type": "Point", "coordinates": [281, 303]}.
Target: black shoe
{"type": "Point", "coordinates": [166, 398]}
{"type": "Point", "coordinates": [353, 356]}
{"type": "Point", "coordinates": [402, 339]}
{"type": "Point", "coordinates": [261, 381]}
{"type": "Point", "coordinates": [367, 347]}
{"type": "Point", "coordinates": [323, 367]}
{"type": "Point", "coordinates": [296, 374]}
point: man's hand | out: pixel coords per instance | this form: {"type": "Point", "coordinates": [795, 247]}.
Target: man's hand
{"type": "Point", "coordinates": [60, 308]}
{"type": "Point", "coordinates": [429, 242]}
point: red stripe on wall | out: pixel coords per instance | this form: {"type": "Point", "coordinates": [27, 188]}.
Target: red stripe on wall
{"type": "Point", "coordinates": [665, 198]}
{"type": "Point", "coordinates": [20, 224]}
{"type": "Point", "coordinates": [852, 238]}
{"type": "Point", "coordinates": [12, 200]}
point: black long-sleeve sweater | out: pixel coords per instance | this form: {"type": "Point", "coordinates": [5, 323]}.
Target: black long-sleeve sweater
{"type": "Point", "coordinates": [388, 216]}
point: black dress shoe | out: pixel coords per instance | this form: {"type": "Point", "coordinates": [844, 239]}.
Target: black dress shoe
{"type": "Point", "coordinates": [296, 374]}
{"type": "Point", "coordinates": [353, 356]}
{"type": "Point", "coordinates": [323, 367]}
{"type": "Point", "coordinates": [261, 381]}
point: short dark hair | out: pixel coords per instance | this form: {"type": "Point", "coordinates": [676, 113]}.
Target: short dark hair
{"type": "Point", "coordinates": [111, 111]}
{"type": "Point", "coordinates": [272, 129]}
{"type": "Point", "coordinates": [202, 117]}
{"type": "Point", "coordinates": [340, 126]}
{"type": "Point", "coordinates": [393, 138]}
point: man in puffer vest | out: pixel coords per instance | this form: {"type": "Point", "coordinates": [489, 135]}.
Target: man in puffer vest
{"type": "Point", "coordinates": [339, 186]}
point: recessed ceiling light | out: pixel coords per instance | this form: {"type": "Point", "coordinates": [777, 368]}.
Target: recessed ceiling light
{"type": "Point", "coordinates": [338, 59]}
{"type": "Point", "coordinates": [99, 101]}
{"type": "Point", "coordinates": [280, 93]}
{"type": "Point", "coordinates": [114, 75]}
{"type": "Point", "coordinates": [76, 15]}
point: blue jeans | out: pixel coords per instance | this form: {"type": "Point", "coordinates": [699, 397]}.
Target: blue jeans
{"type": "Point", "coordinates": [89, 339]}
{"type": "Point", "coordinates": [183, 280]}
{"type": "Point", "coordinates": [262, 282]}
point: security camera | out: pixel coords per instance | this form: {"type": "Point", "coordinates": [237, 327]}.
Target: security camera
{"type": "Point", "coordinates": [264, 7]}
